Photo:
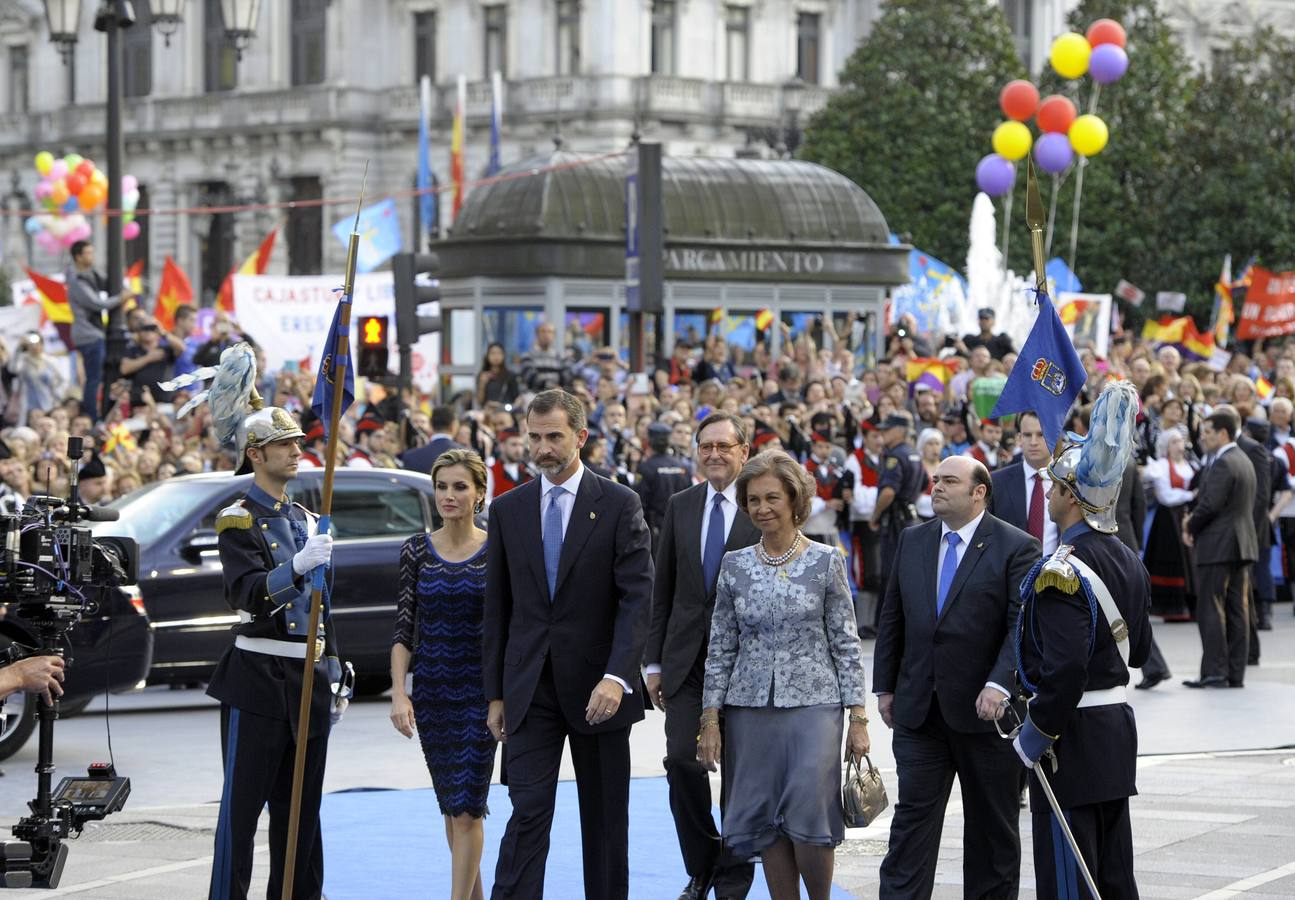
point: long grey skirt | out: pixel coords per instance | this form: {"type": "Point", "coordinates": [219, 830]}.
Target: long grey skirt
{"type": "Point", "coordinates": [784, 776]}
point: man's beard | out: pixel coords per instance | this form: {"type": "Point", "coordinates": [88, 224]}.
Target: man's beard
{"type": "Point", "coordinates": [556, 469]}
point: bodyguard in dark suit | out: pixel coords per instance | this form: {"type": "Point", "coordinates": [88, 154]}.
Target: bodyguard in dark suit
{"type": "Point", "coordinates": [943, 664]}
{"type": "Point", "coordinates": [700, 525]}
{"type": "Point", "coordinates": [902, 479]}
{"type": "Point", "coordinates": [1021, 488]}
{"type": "Point", "coordinates": [568, 593]}
{"type": "Point", "coordinates": [1262, 588]}
{"type": "Point", "coordinates": [444, 425]}
{"type": "Point", "coordinates": [1222, 529]}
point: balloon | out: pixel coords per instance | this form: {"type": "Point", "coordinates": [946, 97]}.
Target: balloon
{"type": "Point", "coordinates": [1019, 99]}
{"type": "Point", "coordinates": [1070, 55]}
{"type": "Point", "coordinates": [76, 183]}
{"type": "Point", "coordinates": [995, 175]}
{"type": "Point", "coordinates": [47, 242]}
{"type": "Point", "coordinates": [58, 169]}
{"type": "Point", "coordinates": [127, 218]}
{"type": "Point", "coordinates": [1088, 135]}
{"type": "Point", "coordinates": [72, 204]}
{"type": "Point", "coordinates": [1108, 63]}
{"type": "Point", "coordinates": [100, 179]}
{"type": "Point", "coordinates": [131, 200]}
{"type": "Point", "coordinates": [43, 187]}
{"type": "Point", "coordinates": [32, 226]}
{"type": "Point", "coordinates": [85, 167]}
{"type": "Point", "coordinates": [1012, 140]}
{"type": "Point", "coordinates": [1056, 113]}
{"type": "Point", "coordinates": [129, 183]}
{"type": "Point", "coordinates": [1053, 153]}
{"type": "Point", "coordinates": [72, 160]}
{"type": "Point", "coordinates": [130, 231]}
{"type": "Point", "coordinates": [59, 193]}
{"type": "Point", "coordinates": [1106, 31]}
{"type": "Point", "coordinates": [44, 160]}
{"type": "Point", "coordinates": [92, 196]}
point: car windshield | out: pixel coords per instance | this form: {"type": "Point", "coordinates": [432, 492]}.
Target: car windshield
{"type": "Point", "coordinates": [151, 511]}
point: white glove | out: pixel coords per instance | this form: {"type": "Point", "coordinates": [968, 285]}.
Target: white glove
{"type": "Point", "coordinates": [337, 710]}
{"type": "Point", "coordinates": [317, 552]}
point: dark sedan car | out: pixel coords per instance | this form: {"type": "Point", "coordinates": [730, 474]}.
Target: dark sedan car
{"type": "Point", "coordinates": [374, 511]}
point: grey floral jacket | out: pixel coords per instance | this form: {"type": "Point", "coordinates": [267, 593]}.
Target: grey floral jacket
{"type": "Point", "coordinates": [796, 633]}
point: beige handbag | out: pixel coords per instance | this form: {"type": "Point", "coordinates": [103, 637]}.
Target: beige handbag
{"type": "Point", "coordinates": [863, 797]}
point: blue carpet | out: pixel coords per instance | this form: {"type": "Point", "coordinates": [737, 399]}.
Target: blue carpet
{"type": "Point", "coordinates": [381, 844]}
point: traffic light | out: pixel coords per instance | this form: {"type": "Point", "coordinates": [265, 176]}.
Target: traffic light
{"type": "Point", "coordinates": [373, 346]}
{"type": "Point", "coordinates": [412, 274]}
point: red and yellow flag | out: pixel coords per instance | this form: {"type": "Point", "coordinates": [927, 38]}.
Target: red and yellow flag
{"type": "Point", "coordinates": [134, 282]}
{"type": "Point", "coordinates": [255, 264]}
{"type": "Point", "coordinates": [175, 290]}
{"type": "Point", "coordinates": [456, 146]}
{"type": "Point", "coordinates": [763, 319]}
{"type": "Point", "coordinates": [54, 305]}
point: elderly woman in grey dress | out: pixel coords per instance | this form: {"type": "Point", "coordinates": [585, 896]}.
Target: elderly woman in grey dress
{"type": "Point", "coordinates": [784, 660]}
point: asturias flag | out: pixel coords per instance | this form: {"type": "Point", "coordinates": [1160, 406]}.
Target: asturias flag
{"type": "Point", "coordinates": [1047, 377]}
{"type": "Point", "coordinates": [174, 291]}
{"type": "Point", "coordinates": [330, 360]}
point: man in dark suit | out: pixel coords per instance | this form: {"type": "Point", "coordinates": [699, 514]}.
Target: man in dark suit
{"type": "Point", "coordinates": [444, 426]}
{"type": "Point", "coordinates": [1222, 529]}
{"type": "Point", "coordinates": [700, 525]}
{"type": "Point", "coordinates": [943, 665]}
{"type": "Point", "coordinates": [1020, 496]}
{"type": "Point", "coordinates": [568, 593]}
{"type": "Point", "coordinates": [1252, 440]}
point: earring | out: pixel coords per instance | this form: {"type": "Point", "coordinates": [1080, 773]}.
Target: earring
{"type": "Point", "coordinates": [480, 505]}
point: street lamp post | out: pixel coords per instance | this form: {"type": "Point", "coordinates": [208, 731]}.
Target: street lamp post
{"type": "Point", "coordinates": [63, 18]}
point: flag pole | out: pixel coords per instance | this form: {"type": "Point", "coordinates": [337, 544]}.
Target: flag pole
{"type": "Point", "coordinates": [339, 368]}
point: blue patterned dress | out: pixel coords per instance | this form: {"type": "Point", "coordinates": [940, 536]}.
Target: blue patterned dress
{"type": "Point", "coordinates": [438, 617]}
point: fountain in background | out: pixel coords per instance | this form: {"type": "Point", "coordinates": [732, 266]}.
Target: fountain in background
{"type": "Point", "coordinates": [989, 285]}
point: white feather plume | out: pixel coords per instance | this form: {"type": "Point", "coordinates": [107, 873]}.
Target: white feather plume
{"type": "Point", "coordinates": [1110, 439]}
{"type": "Point", "coordinates": [230, 394]}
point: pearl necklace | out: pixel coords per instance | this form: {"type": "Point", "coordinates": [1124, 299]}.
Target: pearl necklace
{"type": "Point", "coordinates": [778, 560]}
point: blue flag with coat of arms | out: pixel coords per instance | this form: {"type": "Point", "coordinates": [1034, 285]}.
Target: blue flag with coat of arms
{"type": "Point", "coordinates": [1047, 376]}
{"type": "Point", "coordinates": [330, 360]}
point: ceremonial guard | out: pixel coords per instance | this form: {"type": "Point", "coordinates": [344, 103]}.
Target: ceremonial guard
{"type": "Point", "coordinates": [902, 480]}
{"type": "Point", "coordinates": [312, 456]}
{"type": "Point", "coordinates": [268, 548]}
{"type": "Point", "coordinates": [988, 448]}
{"type": "Point", "coordinates": [508, 469]}
{"type": "Point", "coordinates": [833, 489]}
{"type": "Point", "coordinates": [368, 443]}
{"type": "Point", "coordinates": [1083, 624]}
{"type": "Point", "coordinates": [865, 466]}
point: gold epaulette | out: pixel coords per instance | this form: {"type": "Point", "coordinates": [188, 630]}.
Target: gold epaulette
{"type": "Point", "coordinates": [235, 516]}
{"type": "Point", "coordinates": [1058, 573]}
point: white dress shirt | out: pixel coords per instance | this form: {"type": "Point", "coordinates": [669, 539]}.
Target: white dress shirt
{"type": "Point", "coordinates": [566, 500]}
{"type": "Point", "coordinates": [729, 508]}
{"type": "Point", "coordinates": [965, 534]}
{"type": "Point", "coordinates": [1051, 537]}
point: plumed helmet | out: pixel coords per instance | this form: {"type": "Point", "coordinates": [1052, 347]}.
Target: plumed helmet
{"type": "Point", "coordinates": [270, 424]}
{"type": "Point", "coordinates": [1092, 467]}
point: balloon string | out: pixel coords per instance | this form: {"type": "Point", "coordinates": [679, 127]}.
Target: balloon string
{"type": "Point", "coordinates": [1058, 179]}
{"type": "Point", "coordinates": [1074, 222]}
{"type": "Point", "coordinates": [1092, 99]}
{"type": "Point", "coordinates": [1007, 221]}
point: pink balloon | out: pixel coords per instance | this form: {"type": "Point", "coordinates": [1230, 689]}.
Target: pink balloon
{"type": "Point", "coordinates": [44, 188]}
{"type": "Point", "coordinates": [130, 231]}
{"type": "Point", "coordinates": [70, 238]}
{"type": "Point", "coordinates": [58, 170]}
{"type": "Point", "coordinates": [129, 183]}
{"type": "Point", "coordinates": [47, 242]}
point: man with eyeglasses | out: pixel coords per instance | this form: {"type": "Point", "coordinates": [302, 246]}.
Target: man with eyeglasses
{"type": "Point", "coordinates": [150, 359]}
{"type": "Point", "coordinates": [700, 525]}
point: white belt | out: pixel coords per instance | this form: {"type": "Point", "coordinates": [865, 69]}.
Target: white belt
{"type": "Point", "coordinates": [272, 647]}
{"type": "Point", "coordinates": [1108, 697]}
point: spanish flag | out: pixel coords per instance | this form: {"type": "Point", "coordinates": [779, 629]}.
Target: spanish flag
{"type": "Point", "coordinates": [134, 282]}
{"type": "Point", "coordinates": [119, 438]}
{"type": "Point", "coordinates": [253, 265]}
{"type": "Point", "coordinates": [1264, 388]}
{"type": "Point", "coordinates": [763, 319]}
{"type": "Point", "coordinates": [1070, 312]}
{"type": "Point", "coordinates": [456, 146]}
{"type": "Point", "coordinates": [54, 305]}
{"type": "Point", "coordinates": [175, 290]}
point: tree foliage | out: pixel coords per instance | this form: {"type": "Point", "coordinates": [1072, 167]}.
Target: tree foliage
{"type": "Point", "coordinates": [919, 104]}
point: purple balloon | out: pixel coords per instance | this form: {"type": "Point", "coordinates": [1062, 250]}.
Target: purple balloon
{"type": "Point", "coordinates": [1108, 63]}
{"type": "Point", "coordinates": [995, 175]}
{"type": "Point", "coordinates": [1053, 152]}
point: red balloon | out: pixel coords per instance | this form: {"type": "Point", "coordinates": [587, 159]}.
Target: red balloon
{"type": "Point", "coordinates": [1019, 99]}
{"type": "Point", "coordinates": [75, 182]}
{"type": "Point", "coordinates": [1106, 31]}
{"type": "Point", "coordinates": [86, 168]}
{"type": "Point", "coordinates": [1056, 113]}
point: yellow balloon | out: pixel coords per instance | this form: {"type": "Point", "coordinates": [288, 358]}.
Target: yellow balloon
{"type": "Point", "coordinates": [1012, 140]}
{"type": "Point", "coordinates": [1088, 135]}
{"type": "Point", "coordinates": [44, 162]}
{"type": "Point", "coordinates": [1070, 54]}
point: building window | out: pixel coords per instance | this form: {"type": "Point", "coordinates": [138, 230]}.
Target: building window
{"type": "Point", "coordinates": [737, 42]}
{"type": "Point", "coordinates": [424, 46]}
{"type": "Point", "coordinates": [18, 95]}
{"type": "Point", "coordinates": [137, 249]}
{"type": "Point", "coordinates": [137, 54]}
{"type": "Point", "coordinates": [216, 246]}
{"type": "Point", "coordinates": [308, 37]}
{"type": "Point", "coordinates": [496, 51]}
{"type": "Point", "coordinates": [306, 229]}
{"type": "Point", "coordinates": [807, 47]}
{"type": "Point", "coordinates": [663, 18]}
{"type": "Point", "coordinates": [568, 37]}
{"type": "Point", "coordinates": [1020, 20]}
{"type": "Point", "coordinates": [219, 59]}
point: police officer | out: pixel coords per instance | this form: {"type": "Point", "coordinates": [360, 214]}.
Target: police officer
{"type": "Point", "coordinates": [661, 476]}
{"type": "Point", "coordinates": [902, 480]}
{"type": "Point", "coordinates": [268, 548]}
{"type": "Point", "coordinates": [1084, 623]}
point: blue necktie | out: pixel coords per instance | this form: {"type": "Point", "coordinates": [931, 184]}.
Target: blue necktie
{"type": "Point", "coordinates": [714, 543]}
{"type": "Point", "coordinates": [553, 539]}
{"type": "Point", "coordinates": [950, 569]}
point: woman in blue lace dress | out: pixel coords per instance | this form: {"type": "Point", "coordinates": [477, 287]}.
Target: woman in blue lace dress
{"type": "Point", "coordinates": [438, 628]}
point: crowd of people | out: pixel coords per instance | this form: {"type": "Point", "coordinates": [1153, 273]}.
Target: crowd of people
{"type": "Point", "coordinates": [743, 463]}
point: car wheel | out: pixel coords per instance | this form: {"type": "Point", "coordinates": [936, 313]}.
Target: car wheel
{"type": "Point", "coordinates": [371, 685]}
{"type": "Point", "coordinates": [20, 721]}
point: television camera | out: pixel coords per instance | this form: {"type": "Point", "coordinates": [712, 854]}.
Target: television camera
{"type": "Point", "coordinates": [53, 570]}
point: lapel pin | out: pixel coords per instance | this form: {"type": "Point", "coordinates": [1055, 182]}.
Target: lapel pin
{"type": "Point", "coordinates": [592, 516]}
{"type": "Point", "coordinates": [980, 545]}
